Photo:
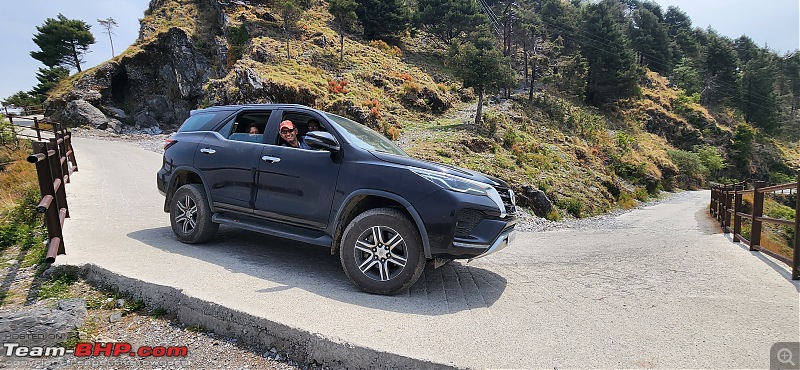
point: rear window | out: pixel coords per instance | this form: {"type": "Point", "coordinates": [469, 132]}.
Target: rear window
{"type": "Point", "coordinates": [201, 121]}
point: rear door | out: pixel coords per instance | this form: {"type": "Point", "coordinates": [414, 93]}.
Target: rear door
{"type": "Point", "coordinates": [296, 186]}
{"type": "Point", "coordinates": [229, 156]}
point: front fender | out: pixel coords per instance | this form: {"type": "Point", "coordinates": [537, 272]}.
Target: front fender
{"type": "Point", "coordinates": [338, 219]}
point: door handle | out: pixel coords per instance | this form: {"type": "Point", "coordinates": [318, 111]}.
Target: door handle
{"type": "Point", "coordinates": [269, 159]}
{"type": "Point", "coordinates": [207, 151]}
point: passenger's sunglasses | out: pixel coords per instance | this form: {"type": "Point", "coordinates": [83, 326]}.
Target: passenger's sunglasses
{"type": "Point", "coordinates": [286, 131]}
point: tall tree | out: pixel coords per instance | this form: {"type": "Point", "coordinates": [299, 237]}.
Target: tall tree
{"type": "Point", "coordinates": [683, 41]}
{"type": "Point", "coordinates": [560, 20]}
{"type": "Point", "coordinates": [791, 71]}
{"type": "Point", "coordinates": [383, 19]}
{"type": "Point", "coordinates": [481, 66]}
{"type": "Point", "coordinates": [719, 70]}
{"type": "Point", "coordinates": [345, 19]}
{"type": "Point", "coordinates": [48, 79]}
{"type": "Point", "coordinates": [448, 19]}
{"type": "Point", "coordinates": [758, 99]}
{"type": "Point", "coordinates": [107, 25]}
{"type": "Point", "coordinates": [613, 73]}
{"type": "Point", "coordinates": [746, 49]}
{"type": "Point", "coordinates": [290, 11]}
{"type": "Point", "coordinates": [62, 42]}
{"type": "Point", "coordinates": [649, 38]}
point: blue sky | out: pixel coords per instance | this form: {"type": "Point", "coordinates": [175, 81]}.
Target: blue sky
{"type": "Point", "coordinates": [775, 23]}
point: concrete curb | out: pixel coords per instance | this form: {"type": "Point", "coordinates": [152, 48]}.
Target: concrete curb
{"type": "Point", "coordinates": [301, 345]}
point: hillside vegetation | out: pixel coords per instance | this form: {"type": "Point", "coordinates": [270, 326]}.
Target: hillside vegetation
{"type": "Point", "coordinates": [564, 122]}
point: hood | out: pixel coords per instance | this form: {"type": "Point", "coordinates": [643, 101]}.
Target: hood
{"type": "Point", "coordinates": [433, 166]}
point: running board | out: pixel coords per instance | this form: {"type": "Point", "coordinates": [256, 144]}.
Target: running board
{"type": "Point", "coordinates": [274, 229]}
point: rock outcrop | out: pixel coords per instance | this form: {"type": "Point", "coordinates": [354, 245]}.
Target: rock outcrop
{"type": "Point", "coordinates": [43, 327]}
{"type": "Point", "coordinates": [152, 88]}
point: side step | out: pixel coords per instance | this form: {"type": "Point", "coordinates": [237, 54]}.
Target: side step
{"type": "Point", "coordinates": [275, 229]}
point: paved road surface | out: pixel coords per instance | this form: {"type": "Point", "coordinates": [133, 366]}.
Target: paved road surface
{"type": "Point", "coordinates": [656, 287]}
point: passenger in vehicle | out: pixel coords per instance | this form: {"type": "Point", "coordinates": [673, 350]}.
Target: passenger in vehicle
{"type": "Point", "coordinates": [289, 134]}
{"type": "Point", "coordinates": [313, 125]}
{"type": "Point", "coordinates": [253, 130]}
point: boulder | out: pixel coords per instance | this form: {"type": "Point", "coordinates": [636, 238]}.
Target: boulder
{"type": "Point", "coordinates": [80, 112]}
{"type": "Point", "coordinates": [43, 327]}
{"type": "Point", "coordinates": [537, 200]}
{"type": "Point", "coordinates": [115, 113]}
{"type": "Point", "coordinates": [114, 125]}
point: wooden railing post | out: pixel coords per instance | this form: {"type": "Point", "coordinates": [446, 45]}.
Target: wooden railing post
{"type": "Point", "coordinates": [37, 129]}
{"type": "Point", "coordinates": [55, 168]}
{"type": "Point", "coordinates": [70, 152]}
{"type": "Point", "coordinates": [737, 207]}
{"type": "Point", "coordinates": [726, 219]}
{"type": "Point", "coordinates": [62, 152]}
{"type": "Point", "coordinates": [758, 211]}
{"type": "Point", "coordinates": [796, 252]}
{"type": "Point", "coordinates": [50, 204]}
{"type": "Point", "coordinates": [713, 206]}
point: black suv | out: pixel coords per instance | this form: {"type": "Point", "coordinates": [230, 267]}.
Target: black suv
{"type": "Point", "coordinates": [354, 191]}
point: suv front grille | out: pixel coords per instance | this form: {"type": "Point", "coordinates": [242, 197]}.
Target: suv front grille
{"type": "Point", "coordinates": [466, 220]}
{"type": "Point", "coordinates": [509, 201]}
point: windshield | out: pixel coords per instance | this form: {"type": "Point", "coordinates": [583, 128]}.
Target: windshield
{"type": "Point", "coordinates": [365, 138]}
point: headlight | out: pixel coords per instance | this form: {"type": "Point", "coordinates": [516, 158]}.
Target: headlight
{"type": "Point", "coordinates": [462, 185]}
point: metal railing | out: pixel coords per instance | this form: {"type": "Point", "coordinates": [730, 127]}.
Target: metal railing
{"type": "Point", "coordinates": [727, 206]}
{"type": "Point", "coordinates": [55, 163]}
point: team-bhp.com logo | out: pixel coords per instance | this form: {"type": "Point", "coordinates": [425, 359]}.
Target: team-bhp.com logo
{"type": "Point", "coordinates": [84, 349]}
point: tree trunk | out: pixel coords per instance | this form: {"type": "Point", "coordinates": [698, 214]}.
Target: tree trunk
{"type": "Point", "coordinates": [479, 111]}
{"type": "Point", "coordinates": [112, 44]}
{"type": "Point", "coordinates": [341, 46]}
{"type": "Point", "coordinates": [76, 59]}
{"type": "Point", "coordinates": [525, 63]}
{"type": "Point", "coordinates": [533, 72]}
{"type": "Point", "coordinates": [288, 50]}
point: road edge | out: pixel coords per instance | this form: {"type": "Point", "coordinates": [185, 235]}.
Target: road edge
{"type": "Point", "coordinates": [302, 346]}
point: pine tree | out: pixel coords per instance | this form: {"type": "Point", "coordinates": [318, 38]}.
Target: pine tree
{"type": "Point", "coordinates": [650, 39]}
{"type": "Point", "coordinates": [720, 84]}
{"type": "Point", "coordinates": [758, 100]}
{"type": "Point", "coordinates": [383, 19]}
{"type": "Point", "coordinates": [613, 73]}
{"type": "Point", "coordinates": [683, 43]}
{"type": "Point", "coordinates": [290, 11]}
{"type": "Point", "coordinates": [108, 24]}
{"type": "Point", "coordinates": [48, 79]}
{"type": "Point", "coordinates": [481, 66]}
{"type": "Point", "coordinates": [345, 18]}
{"type": "Point", "coordinates": [448, 19]}
{"type": "Point", "coordinates": [62, 42]}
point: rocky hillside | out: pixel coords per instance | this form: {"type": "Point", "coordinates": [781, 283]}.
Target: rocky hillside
{"type": "Point", "coordinates": [562, 157]}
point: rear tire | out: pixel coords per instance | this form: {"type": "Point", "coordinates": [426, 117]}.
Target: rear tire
{"type": "Point", "coordinates": [381, 252]}
{"type": "Point", "coordinates": [190, 215]}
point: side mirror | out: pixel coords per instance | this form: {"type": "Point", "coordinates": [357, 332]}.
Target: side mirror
{"type": "Point", "coordinates": [322, 140]}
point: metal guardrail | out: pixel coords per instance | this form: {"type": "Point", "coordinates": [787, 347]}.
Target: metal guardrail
{"type": "Point", "coordinates": [55, 163]}
{"type": "Point", "coordinates": [726, 205]}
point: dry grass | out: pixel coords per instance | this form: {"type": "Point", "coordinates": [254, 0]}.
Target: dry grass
{"type": "Point", "coordinates": [16, 177]}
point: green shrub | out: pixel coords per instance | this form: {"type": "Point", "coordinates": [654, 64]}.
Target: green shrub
{"type": "Point", "coordinates": [573, 206]}
{"type": "Point", "coordinates": [710, 157]}
{"type": "Point", "coordinates": [692, 171]}
{"type": "Point", "coordinates": [57, 286]}
{"type": "Point", "coordinates": [553, 215]}
{"type": "Point", "coordinates": [238, 35]}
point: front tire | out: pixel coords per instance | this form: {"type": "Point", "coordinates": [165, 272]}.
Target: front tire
{"type": "Point", "coordinates": [381, 252]}
{"type": "Point", "coordinates": [190, 215]}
